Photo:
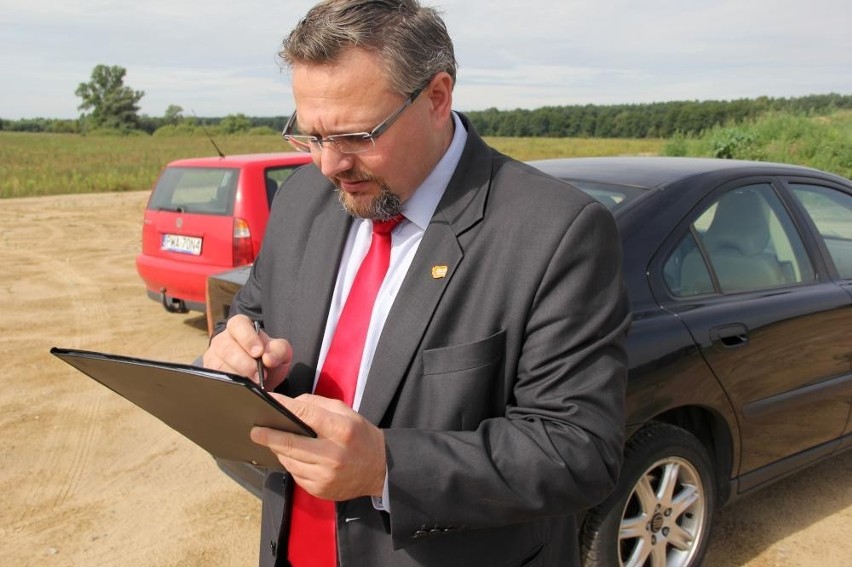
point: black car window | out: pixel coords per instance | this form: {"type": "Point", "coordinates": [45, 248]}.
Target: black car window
{"type": "Point", "coordinates": [691, 279]}
{"type": "Point", "coordinates": [275, 176]}
{"type": "Point", "coordinates": [206, 190]}
{"type": "Point", "coordinates": [749, 241]}
{"type": "Point", "coordinates": [831, 212]}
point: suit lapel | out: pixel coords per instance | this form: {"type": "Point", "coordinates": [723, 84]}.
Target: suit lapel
{"type": "Point", "coordinates": [461, 207]}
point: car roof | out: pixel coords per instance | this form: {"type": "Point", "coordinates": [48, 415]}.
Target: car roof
{"type": "Point", "coordinates": [278, 158]}
{"type": "Point", "coordinates": [650, 172]}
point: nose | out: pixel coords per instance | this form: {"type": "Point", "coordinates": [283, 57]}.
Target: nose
{"type": "Point", "coordinates": [332, 162]}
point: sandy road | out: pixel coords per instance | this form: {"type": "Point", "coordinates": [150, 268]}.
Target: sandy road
{"type": "Point", "coordinates": [86, 479]}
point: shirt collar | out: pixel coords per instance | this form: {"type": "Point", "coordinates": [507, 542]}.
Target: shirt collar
{"type": "Point", "coordinates": [422, 204]}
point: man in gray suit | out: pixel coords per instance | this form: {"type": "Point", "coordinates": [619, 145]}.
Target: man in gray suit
{"type": "Point", "coordinates": [488, 405]}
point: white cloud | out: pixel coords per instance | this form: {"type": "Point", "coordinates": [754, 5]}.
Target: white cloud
{"type": "Point", "coordinates": [218, 56]}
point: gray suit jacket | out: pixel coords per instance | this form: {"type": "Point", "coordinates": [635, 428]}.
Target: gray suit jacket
{"type": "Point", "coordinates": [500, 385]}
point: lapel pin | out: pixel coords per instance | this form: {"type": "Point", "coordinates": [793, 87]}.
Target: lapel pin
{"type": "Point", "coordinates": [439, 272]}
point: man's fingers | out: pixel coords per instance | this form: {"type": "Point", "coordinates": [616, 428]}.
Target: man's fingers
{"type": "Point", "coordinates": [227, 355]}
{"type": "Point", "coordinates": [320, 414]}
{"type": "Point", "coordinates": [273, 438]}
{"type": "Point", "coordinates": [303, 457]}
{"type": "Point", "coordinates": [306, 406]}
{"type": "Point", "coordinates": [237, 349]}
{"type": "Point", "coordinates": [276, 358]}
{"type": "Point", "coordinates": [296, 452]}
{"type": "Point", "coordinates": [346, 459]}
{"type": "Point", "coordinates": [242, 330]}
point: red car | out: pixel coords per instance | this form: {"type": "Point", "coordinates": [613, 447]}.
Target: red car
{"type": "Point", "coordinates": [205, 216]}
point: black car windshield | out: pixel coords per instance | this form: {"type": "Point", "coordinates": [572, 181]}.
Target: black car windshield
{"type": "Point", "coordinates": [206, 190]}
{"type": "Point", "coordinates": [613, 196]}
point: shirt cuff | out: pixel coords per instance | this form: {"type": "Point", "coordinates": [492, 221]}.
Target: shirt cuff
{"type": "Point", "coordinates": [383, 504]}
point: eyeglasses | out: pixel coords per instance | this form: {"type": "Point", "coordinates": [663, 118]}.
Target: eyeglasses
{"type": "Point", "coordinates": [355, 143]}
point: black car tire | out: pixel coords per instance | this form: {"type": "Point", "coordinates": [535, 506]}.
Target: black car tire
{"type": "Point", "coordinates": [662, 508]}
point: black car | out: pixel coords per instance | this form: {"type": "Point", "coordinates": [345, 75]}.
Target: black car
{"type": "Point", "coordinates": [740, 283]}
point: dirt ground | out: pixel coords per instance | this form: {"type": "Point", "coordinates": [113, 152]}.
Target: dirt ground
{"type": "Point", "coordinates": [87, 479]}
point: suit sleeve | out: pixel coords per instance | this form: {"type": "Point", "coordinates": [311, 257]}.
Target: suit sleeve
{"type": "Point", "coordinates": [557, 449]}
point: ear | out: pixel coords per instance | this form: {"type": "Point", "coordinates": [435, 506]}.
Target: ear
{"type": "Point", "coordinates": [440, 94]}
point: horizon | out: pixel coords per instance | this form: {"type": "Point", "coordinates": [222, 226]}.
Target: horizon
{"type": "Point", "coordinates": [284, 116]}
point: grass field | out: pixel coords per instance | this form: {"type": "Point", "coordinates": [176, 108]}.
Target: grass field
{"type": "Point", "coordinates": [53, 164]}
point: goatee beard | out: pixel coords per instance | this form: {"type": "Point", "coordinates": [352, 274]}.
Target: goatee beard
{"type": "Point", "coordinates": [384, 206]}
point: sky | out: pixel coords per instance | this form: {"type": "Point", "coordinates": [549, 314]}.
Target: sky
{"type": "Point", "coordinates": [218, 57]}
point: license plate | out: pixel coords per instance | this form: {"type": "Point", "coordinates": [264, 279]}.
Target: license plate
{"type": "Point", "coordinates": [182, 244]}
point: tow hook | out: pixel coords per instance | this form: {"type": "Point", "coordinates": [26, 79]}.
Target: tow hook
{"type": "Point", "coordinates": [172, 305]}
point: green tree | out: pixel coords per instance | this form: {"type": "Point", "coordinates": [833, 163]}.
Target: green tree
{"type": "Point", "coordinates": [234, 124]}
{"type": "Point", "coordinates": [112, 104]}
{"type": "Point", "coordinates": [173, 115]}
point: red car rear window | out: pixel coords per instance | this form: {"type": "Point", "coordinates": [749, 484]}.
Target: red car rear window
{"type": "Point", "coordinates": [204, 190]}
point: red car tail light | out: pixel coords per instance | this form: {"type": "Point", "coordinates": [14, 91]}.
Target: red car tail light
{"type": "Point", "coordinates": [243, 252]}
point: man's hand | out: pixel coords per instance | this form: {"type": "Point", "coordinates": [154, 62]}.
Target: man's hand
{"type": "Point", "coordinates": [346, 459]}
{"type": "Point", "coordinates": [237, 348]}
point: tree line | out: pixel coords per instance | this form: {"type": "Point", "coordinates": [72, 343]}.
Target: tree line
{"type": "Point", "coordinates": [651, 120]}
{"type": "Point", "coordinates": [109, 106]}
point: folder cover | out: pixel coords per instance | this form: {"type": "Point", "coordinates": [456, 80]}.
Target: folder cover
{"type": "Point", "coordinates": [216, 410]}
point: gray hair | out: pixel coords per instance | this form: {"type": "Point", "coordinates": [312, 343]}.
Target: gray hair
{"type": "Point", "coordinates": [411, 39]}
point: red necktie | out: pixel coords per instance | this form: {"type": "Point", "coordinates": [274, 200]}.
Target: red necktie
{"type": "Point", "coordinates": [313, 539]}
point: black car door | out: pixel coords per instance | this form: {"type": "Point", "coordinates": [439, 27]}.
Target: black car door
{"type": "Point", "coordinates": [828, 210]}
{"type": "Point", "coordinates": [774, 329]}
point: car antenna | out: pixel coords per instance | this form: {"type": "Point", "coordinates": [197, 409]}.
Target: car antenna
{"type": "Point", "coordinates": [209, 137]}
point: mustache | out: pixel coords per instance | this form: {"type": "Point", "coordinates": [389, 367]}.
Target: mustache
{"type": "Point", "coordinates": [353, 176]}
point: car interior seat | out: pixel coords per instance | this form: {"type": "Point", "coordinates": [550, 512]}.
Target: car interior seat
{"type": "Point", "coordinates": [737, 244]}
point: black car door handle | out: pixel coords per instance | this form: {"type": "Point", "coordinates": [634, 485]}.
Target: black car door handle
{"type": "Point", "coordinates": [733, 335]}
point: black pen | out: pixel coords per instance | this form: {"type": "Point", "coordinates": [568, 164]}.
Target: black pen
{"type": "Point", "coordinates": [259, 359]}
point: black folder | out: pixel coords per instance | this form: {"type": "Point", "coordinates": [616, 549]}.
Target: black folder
{"type": "Point", "coordinates": [215, 410]}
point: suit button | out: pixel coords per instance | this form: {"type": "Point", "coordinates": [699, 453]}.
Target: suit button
{"type": "Point", "coordinates": [273, 547]}
{"type": "Point", "coordinates": [420, 534]}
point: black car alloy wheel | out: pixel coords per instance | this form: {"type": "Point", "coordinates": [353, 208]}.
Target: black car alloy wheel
{"type": "Point", "coordinates": [661, 511]}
